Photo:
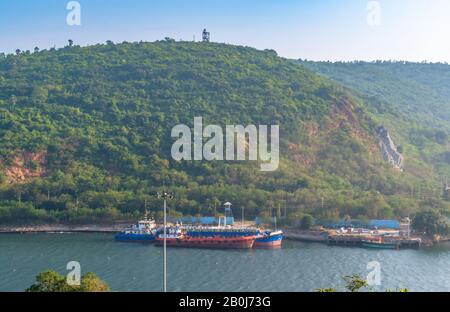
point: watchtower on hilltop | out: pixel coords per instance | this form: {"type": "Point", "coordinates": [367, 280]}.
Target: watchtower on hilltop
{"type": "Point", "coordinates": [206, 36]}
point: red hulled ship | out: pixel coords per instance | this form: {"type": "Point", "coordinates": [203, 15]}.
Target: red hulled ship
{"type": "Point", "coordinates": [217, 242]}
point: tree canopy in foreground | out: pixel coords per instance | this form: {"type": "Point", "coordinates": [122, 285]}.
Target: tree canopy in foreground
{"type": "Point", "coordinates": [52, 281]}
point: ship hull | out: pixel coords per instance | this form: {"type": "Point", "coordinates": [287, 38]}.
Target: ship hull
{"type": "Point", "coordinates": [224, 233]}
{"type": "Point", "coordinates": [210, 243]}
{"type": "Point", "coordinates": [135, 238]}
{"type": "Point", "coordinates": [269, 241]}
{"type": "Point", "coordinates": [377, 245]}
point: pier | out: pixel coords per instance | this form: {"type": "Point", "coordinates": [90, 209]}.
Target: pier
{"type": "Point", "coordinates": [350, 240]}
{"type": "Point", "coordinates": [356, 240]}
{"type": "Point", "coordinates": [307, 236]}
{"type": "Point", "coordinates": [345, 240]}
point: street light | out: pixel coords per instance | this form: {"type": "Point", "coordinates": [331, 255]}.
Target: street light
{"type": "Point", "coordinates": [165, 195]}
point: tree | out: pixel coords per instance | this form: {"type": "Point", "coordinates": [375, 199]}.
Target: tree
{"type": "Point", "coordinates": [13, 101]}
{"type": "Point", "coordinates": [441, 137]}
{"type": "Point", "coordinates": [49, 281]}
{"type": "Point", "coordinates": [355, 283]}
{"type": "Point", "coordinates": [36, 49]}
{"type": "Point", "coordinates": [326, 290]}
{"type": "Point", "coordinates": [18, 51]}
{"type": "Point", "coordinates": [70, 42]}
{"type": "Point", "coordinates": [52, 281]}
{"type": "Point", "coordinates": [91, 283]}
{"type": "Point", "coordinates": [306, 222]}
{"type": "Point", "coordinates": [39, 94]}
{"type": "Point", "coordinates": [430, 222]}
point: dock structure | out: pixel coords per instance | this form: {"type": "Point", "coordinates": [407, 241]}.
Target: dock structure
{"type": "Point", "coordinates": [357, 240]}
{"type": "Point", "coordinates": [307, 236]}
{"type": "Point", "coordinates": [335, 238]}
{"type": "Point", "coordinates": [410, 243]}
{"type": "Point", "coordinates": [345, 240]}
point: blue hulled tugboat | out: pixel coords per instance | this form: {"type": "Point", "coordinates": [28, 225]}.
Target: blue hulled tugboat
{"type": "Point", "coordinates": [144, 231]}
{"type": "Point", "coordinates": [269, 239]}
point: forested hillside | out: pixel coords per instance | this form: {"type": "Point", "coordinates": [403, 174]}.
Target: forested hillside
{"type": "Point", "coordinates": [418, 91]}
{"type": "Point", "coordinates": [85, 136]}
{"type": "Point", "coordinates": [411, 99]}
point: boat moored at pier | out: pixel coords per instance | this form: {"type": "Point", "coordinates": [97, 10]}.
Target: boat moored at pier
{"type": "Point", "coordinates": [264, 239]}
{"type": "Point", "coordinates": [210, 231]}
{"type": "Point", "coordinates": [143, 231]}
{"type": "Point", "coordinates": [269, 239]}
{"type": "Point", "coordinates": [177, 238]}
{"type": "Point", "coordinates": [379, 243]}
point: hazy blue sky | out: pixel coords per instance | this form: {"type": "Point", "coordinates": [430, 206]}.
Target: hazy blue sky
{"type": "Point", "coordinates": [314, 29]}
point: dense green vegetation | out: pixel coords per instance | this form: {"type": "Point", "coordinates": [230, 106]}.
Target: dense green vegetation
{"type": "Point", "coordinates": [95, 123]}
{"type": "Point", "coordinates": [52, 281]}
{"type": "Point", "coordinates": [355, 283]}
{"type": "Point", "coordinates": [411, 99]}
{"type": "Point", "coordinates": [419, 92]}
{"type": "Point", "coordinates": [431, 223]}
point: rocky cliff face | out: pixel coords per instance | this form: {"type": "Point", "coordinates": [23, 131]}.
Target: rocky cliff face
{"type": "Point", "coordinates": [389, 149]}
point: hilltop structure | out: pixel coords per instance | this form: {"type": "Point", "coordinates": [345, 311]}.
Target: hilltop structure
{"type": "Point", "coordinates": [206, 36]}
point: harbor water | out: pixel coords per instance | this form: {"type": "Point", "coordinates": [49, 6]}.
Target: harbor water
{"type": "Point", "coordinates": [296, 267]}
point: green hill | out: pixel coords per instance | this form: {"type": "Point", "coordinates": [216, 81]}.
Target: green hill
{"type": "Point", "coordinates": [418, 91]}
{"type": "Point", "coordinates": [85, 135]}
{"type": "Point", "coordinates": [411, 99]}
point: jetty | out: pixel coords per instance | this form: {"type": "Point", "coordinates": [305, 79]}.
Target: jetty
{"type": "Point", "coordinates": [334, 238]}
{"type": "Point", "coordinates": [306, 236]}
{"type": "Point", "coordinates": [64, 228]}
{"type": "Point", "coordinates": [357, 240]}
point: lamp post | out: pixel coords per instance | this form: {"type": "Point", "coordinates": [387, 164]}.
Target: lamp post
{"type": "Point", "coordinates": [165, 195]}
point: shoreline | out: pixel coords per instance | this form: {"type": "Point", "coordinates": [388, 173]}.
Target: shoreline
{"type": "Point", "coordinates": [323, 237]}
{"type": "Point", "coordinates": [289, 234]}
{"type": "Point", "coordinates": [64, 228]}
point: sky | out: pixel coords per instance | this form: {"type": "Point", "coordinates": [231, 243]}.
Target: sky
{"type": "Point", "coordinates": [334, 30]}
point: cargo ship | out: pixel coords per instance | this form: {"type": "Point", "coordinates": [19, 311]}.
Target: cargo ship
{"type": "Point", "coordinates": [266, 239]}
{"type": "Point", "coordinates": [269, 239]}
{"type": "Point", "coordinates": [178, 238]}
{"type": "Point", "coordinates": [215, 242]}
{"type": "Point", "coordinates": [210, 231]}
{"type": "Point", "coordinates": [144, 231]}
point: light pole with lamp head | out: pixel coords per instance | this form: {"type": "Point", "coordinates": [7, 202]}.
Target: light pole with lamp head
{"type": "Point", "coordinates": [165, 195]}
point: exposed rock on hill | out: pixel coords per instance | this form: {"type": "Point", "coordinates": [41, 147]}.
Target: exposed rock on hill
{"type": "Point", "coordinates": [25, 167]}
{"type": "Point", "coordinates": [389, 149]}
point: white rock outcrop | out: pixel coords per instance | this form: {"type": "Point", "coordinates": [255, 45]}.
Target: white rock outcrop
{"type": "Point", "coordinates": [389, 149]}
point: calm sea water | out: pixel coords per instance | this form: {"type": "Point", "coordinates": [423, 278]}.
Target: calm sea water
{"type": "Point", "coordinates": [296, 267]}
